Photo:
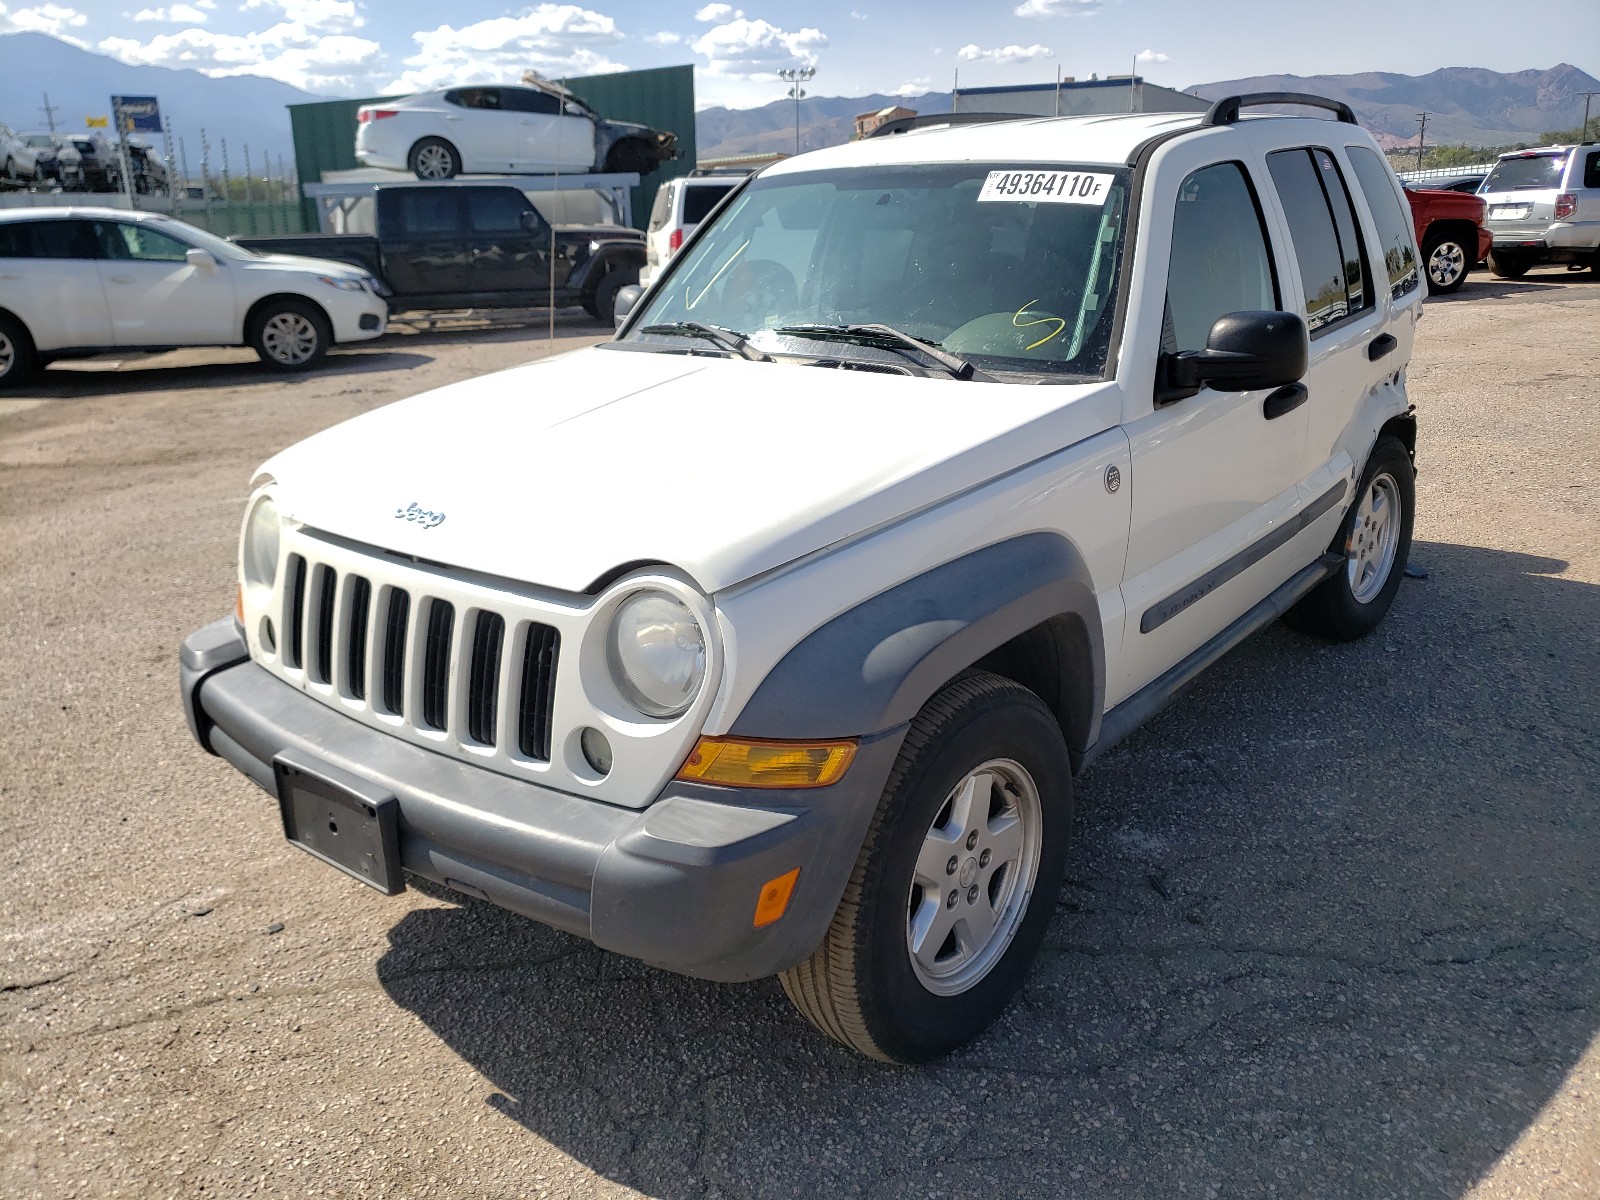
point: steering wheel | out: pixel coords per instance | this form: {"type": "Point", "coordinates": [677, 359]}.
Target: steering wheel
{"type": "Point", "coordinates": [761, 287]}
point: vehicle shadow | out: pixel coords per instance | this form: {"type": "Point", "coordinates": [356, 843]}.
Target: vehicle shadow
{"type": "Point", "coordinates": [1481, 285]}
{"type": "Point", "coordinates": [1330, 929]}
{"type": "Point", "coordinates": [84, 378]}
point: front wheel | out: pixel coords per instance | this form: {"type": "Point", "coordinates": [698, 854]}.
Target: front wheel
{"type": "Point", "coordinates": [434, 158]}
{"type": "Point", "coordinates": [605, 296]}
{"type": "Point", "coordinates": [1447, 264]}
{"type": "Point", "coordinates": [1375, 539]}
{"type": "Point", "coordinates": [955, 883]}
{"type": "Point", "coordinates": [290, 336]}
{"type": "Point", "coordinates": [1508, 265]}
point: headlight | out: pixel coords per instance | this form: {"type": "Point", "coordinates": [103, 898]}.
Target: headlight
{"type": "Point", "coordinates": [344, 285]}
{"type": "Point", "coordinates": [259, 554]}
{"type": "Point", "coordinates": [657, 653]}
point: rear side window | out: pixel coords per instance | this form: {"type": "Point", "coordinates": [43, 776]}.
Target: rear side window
{"type": "Point", "coordinates": [474, 98]}
{"type": "Point", "coordinates": [1220, 261]}
{"type": "Point", "coordinates": [45, 239]}
{"type": "Point", "coordinates": [1591, 170]}
{"type": "Point", "coordinates": [661, 210]}
{"type": "Point", "coordinates": [1533, 172]}
{"type": "Point", "coordinates": [699, 201]}
{"type": "Point", "coordinates": [422, 214]}
{"type": "Point", "coordinates": [496, 210]}
{"type": "Point", "coordinates": [1323, 229]}
{"type": "Point", "coordinates": [16, 240]}
{"type": "Point", "coordinates": [1393, 221]}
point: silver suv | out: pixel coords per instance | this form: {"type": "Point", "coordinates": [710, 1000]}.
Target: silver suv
{"type": "Point", "coordinates": [1544, 207]}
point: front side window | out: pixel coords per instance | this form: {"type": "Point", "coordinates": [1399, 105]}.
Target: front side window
{"type": "Point", "coordinates": [529, 101]}
{"type": "Point", "coordinates": [496, 210]}
{"type": "Point", "coordinates": [1013, 267]}
{"type": "Point", "coordinates": [143, 244]}
{"type": "Point", "coordinates": [1220, 259]}
{"type": "Point", "coordinates": [1323, 229]}
{"type": "Point", "coordinates": [1392, 218]}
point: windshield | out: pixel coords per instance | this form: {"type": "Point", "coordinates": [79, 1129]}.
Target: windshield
{"type": "Point", "coordinates": [39, 139]}
{"type": "Point", "coordinates": [1525, 174]}
{"type": "Point", "coordinates": [1011, 267]}
{"type": "Point", "coordinates": [199, 238]}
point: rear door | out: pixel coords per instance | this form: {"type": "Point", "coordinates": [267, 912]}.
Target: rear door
{"type": "Point", "coordinates": [1216, 493]}
{"type": "Point", "coordinates": [156, 298]}
{"type": "Point", "coordinates": [423, 238]}
{"type": "Point", "coordinates": [547, 138]}
{"type": "Point", "coordinates": [49, 278]}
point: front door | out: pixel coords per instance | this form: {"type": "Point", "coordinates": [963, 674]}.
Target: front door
{"type": "Point", "coordinates": [156, 297]}
{"type": "Point", "coordinates": [548, 138]}
{"type": "Point", "coordinates": [1216, 475]}
{"type": "Point", "coordinates": [509, 243]}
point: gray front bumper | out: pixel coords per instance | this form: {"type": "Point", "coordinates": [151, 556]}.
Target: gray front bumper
{"type": "Point", "coordinates": [674, 884]}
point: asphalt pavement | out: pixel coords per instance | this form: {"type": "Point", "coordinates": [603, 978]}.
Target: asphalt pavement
{"type": "Point", "coordinates": [1331, 927]}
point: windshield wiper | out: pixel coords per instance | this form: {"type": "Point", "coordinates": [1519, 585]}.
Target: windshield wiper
{"type": "Point", "coordinates": [729, 340]}
{"type": "Point", "coordinates": [880, 335]}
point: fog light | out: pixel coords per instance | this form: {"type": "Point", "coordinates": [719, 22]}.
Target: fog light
{"type": "Point", "coordinates": [596, 751]}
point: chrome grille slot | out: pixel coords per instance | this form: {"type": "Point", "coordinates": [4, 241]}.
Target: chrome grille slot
{"type": "Point", "coordinates": [357, 633]}
{"type": "Point", "coordinates": [394, 652]}
{"type": "Point", "coordinates": [436, 664]}
{"type": "Point", "coordinates": [483, 683]}
{"type": "Point", "coordinates": [536, 695]}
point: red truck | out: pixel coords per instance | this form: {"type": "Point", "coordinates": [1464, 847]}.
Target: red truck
{"type": "Point", "coordinates": [1451, 233]}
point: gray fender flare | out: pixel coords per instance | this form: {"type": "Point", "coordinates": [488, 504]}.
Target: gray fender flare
{"type": "Point", "coordinates": [874, 666]}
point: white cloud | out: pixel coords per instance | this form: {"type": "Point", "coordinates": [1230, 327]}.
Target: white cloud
{"type": "Point", "coordinates": [751, 48]}
{"type": "Point", "coordinates": [665, 38]}
{"type": "Point", "coordinates": [717, 12]}
{"type": "Point", "coordinates": [1058, 8]}
{"type": "Point", "coordinates": [178, 14]}
{"type": "Point", "coordinates": [557, 40]}
{"type": "Point", "coordinates": [1004, 54]}
{"type": "Point", "coordinates": [1150, 56]}
{"type": "Point", "coordinates": [857, 16]}
{"type": "Point", "coordinates": [44, 18]}
{"type": "Point", "coordinates": [914, 87]}
{"type": "Point", "coordinates": [288, 51]}
{"type": "Point", "coordinates": [314, 14]}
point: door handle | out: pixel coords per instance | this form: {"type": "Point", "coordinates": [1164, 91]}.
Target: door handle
{"type": "Point", "coordinates": [122, 279]}
{"type": "Point", "coordinates": [1379, 346]}
{"type": "Point", "coordinates": [1284, 400]}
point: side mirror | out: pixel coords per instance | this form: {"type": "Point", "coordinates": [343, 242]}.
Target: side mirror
{"type": "Point", "coordinates": [1246, 351]}
{"type": "Point", "coordinates": [200, 259]}
{"type": "Point", "coordinates": [532, 223]}
{"type": "Point", "coordinates": [626, 299]}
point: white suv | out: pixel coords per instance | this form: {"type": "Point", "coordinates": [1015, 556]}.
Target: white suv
{"type": "Point", "coordinates": [679, 207]}
{"type": "Point", "coordinates": [76, 281]}
{"type": "Point", "coordinates": [1544, 207]}
{"type": "Point", "coordinates": [768, 638]}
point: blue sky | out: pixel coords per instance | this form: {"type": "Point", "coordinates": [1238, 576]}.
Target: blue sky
{"type": "Point", "coordinates": [363, 47]}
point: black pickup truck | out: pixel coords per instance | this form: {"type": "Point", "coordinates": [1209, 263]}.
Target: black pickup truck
{"type": "Point", "coordinates": [477, 246]}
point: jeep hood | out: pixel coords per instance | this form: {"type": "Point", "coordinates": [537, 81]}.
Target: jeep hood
{"type": "Point", "coordinates": [561, 471]}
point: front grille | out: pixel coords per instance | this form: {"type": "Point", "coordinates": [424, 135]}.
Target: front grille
{"type": "Point", "coordinates": [434, 663]}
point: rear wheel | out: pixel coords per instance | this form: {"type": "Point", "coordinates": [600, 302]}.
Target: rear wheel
{"type": "Point", "coordinates": [1447, 262]}
{"type": "Point", "coordinates": [1375, 539]}
{"type": "Point", "coordinates": [955, 883]}
{"type": "Point", "coordinates": [1508, 265]}
{"type": "Point", "coordinates": [17, 359]}
{"type": "Point", "coordinates": [434, 158]}
{"type": "Point", "coordinates": [290, 336]}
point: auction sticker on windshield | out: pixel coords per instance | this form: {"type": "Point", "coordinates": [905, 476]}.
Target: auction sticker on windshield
{"type": "Point", "coordinates": [1048, 187]}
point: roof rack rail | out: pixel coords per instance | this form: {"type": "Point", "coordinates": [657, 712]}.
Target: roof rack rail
{"type": "Point", "coordinates": [1226, 110]}
{"type": "Point", "coordinates": [922, 120]}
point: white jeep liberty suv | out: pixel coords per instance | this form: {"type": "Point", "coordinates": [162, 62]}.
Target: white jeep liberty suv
{"type": "Point", "coordinates": [768, 637]}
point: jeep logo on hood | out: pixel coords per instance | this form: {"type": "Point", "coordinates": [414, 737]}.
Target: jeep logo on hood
{"type": "Point", "coordinates": [415, 512]}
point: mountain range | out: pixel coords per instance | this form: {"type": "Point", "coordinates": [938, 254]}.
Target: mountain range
{"type": "Point", "coordinates": [1466, 105]}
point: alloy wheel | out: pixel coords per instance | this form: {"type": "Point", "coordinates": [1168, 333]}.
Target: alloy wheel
{"type": "Point", "coordinates": [1446, 264]}
{"type": "Point", "coordinates": [1370, 548]}
{"type": "Point", "coordinates": [433, 162]}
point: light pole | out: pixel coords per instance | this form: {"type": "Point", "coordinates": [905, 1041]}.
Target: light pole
{"type": "Point", "coordinates": [794, 77]}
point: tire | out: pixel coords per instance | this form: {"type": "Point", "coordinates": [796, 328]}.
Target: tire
{"type": "Point", "coordinates": [17, 357]}
{"type": "Point", "coordinates": [289, 335]}
{"type": "Point", "coordinates": [605, 296]}
{"type": "Point", "coordinates": [1375, 539]}
{"type": "Point", "coordinates": [434, 158]}
{"type": "Point", "coordinates": [1507, 265]}
{"type": "Point", "coordinates": [1446, 262]}
{"type": "Point", "coordinates": [986, 737]}
{"type": "Point", "coordinates": [630, 157]}
{"type": "Point", "coordinates": [8, 173]}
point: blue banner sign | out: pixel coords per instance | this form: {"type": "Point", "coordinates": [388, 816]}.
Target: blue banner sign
{"type": "Point", "coordinates": [137, 114]}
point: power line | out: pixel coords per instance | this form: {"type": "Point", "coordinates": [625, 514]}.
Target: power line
{"type": "Point", "coordinates": [1422, 135]}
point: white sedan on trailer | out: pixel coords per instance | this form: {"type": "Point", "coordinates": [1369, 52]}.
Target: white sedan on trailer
{"type": "Point", "coordinates": [78, 281]}
{"type": "Point", "coordinates": [540, 128]}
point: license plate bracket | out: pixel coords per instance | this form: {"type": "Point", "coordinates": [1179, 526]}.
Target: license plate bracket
{"type": "Point", "coordinates": [347, 822]}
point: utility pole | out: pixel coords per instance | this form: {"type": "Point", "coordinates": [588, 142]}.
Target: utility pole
{"type": "Point", "coordinates": [1133, 74]}
{"type": "Point", "coordinates": [794, 77]}
{"type": "Point", "coordinates": [1422, 135]}
{"type": "Point", "coordinates": [49, 111]}
{"type": "Point", "coordinates": [1583, 130]}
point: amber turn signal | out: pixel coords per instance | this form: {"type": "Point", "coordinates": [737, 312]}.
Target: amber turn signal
{"type": "Point", "coordinates": [238, 605]}
{"type": "Point", "coordinates": [743, 762]}
{"type": "Point", "coordinates": [774, 897]}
